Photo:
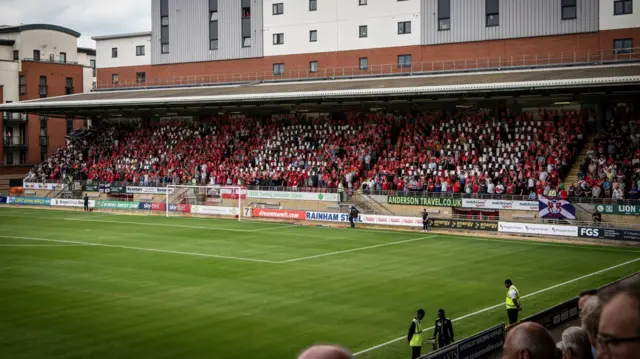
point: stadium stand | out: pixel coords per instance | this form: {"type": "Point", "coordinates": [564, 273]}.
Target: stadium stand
{"type": "Point", "coordinates": [470, 151]}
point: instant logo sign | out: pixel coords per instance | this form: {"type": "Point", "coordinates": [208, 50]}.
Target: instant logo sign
{"type": "Point", "coordinates": [625, 209]}
{"type": "Point", "coordinates": [117, 205]}
{"type": "Point", "coordinates": [30, 201]}
{"type": "Point", "coordinates": [425, 201]}
{"type": "Point", "coordinates": [302, 196]}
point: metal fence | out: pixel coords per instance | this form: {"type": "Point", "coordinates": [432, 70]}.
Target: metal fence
{"type": "Point", "coordinates": [586, 57]}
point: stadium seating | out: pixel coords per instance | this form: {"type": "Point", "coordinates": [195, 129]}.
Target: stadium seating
{"type": "Point", "coordinates": [462, 151]}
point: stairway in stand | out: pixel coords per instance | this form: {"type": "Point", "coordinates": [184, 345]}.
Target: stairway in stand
{"type": "Point", "coordinates": [573, 174]}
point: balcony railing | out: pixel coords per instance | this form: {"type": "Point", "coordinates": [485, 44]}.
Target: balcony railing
{"type": "Point", "coordinates": [14, 141]}
{"type": "Point", "coordinates": [586, 57]}
{"type": "Point", "coordinates": [15, 117]}
{"type": "Point", "coordinates": [51, 61]}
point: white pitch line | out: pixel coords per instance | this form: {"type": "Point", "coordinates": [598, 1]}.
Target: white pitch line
{"type": "Point", "coordinates": [166, 225]}
{"type": "Point", "coordinates": [143, 249]}
{"type": "Point", "coordinates": [354, 249]}
{"type": "Point", "coordinates": [502, 304]}
{"type": "Point", "coordinates": [45, 245]}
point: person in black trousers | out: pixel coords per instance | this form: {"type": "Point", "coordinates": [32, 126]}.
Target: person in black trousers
{"type": "Point", "coordinates": [425, 221]}
{"type": "Point", "coordinates": [443, 330]}
{"type": "Point", "coordinates": [353, 215]}
{"type": "Point", "coordinates": [415, 336]}
{"type": "Point", "coordinates": [86, 203]}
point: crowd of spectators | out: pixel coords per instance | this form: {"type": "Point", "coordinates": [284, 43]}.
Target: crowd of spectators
{"type": "Point", "coordinates": [464, 151]}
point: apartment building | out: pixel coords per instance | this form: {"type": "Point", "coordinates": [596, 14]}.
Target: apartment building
{"type": "Point", "coordinates": [39, 61]}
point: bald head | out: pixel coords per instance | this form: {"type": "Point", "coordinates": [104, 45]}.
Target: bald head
{"type": "Point", "coordinates": [325, 352]}
{"type": "Point", "coordinates": [529, 341]}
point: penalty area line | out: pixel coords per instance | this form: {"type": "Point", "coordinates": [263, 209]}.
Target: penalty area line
{"type": "Point", "coordinates": [88, 244]}
{"type": "Point", "coordinates": [502, 304]}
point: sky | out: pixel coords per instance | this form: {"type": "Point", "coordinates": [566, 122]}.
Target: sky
{"type": "Point", "coordinates": [88, 17]}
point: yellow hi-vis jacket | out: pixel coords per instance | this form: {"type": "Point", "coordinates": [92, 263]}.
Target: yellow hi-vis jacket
{"type": "Point", "coordinates": [416, 339]}
{"type": "Point", "coordinates": [509, 302]}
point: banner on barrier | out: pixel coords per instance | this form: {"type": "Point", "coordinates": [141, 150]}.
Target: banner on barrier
{"type": "Point", "coordinates": [214, 210]}
{"type": "Point", "coordinates": [329, 217]}
{"type": "Point", "coordinates": [551, 208]}
{"type": "Point", "coordinates": [117, 205]}
{"type": "Point", "coordinates": [477, 346]}
{"type": "Point", "coordinates": [391, 220]}
{"type": "Point", "coordinates": [90, 188]}
{"type": "Point", "coordinates": [3, 199]}
{"type": "Point", "coordinates": [539, 229]}
{"type": "Point", "coordinates": [499, 204]}
{"type": "Point", "coordinates": [278, 213]}
{"type": "Point", "coordinates": [232, 193]}
{"type": "Point", "coordinates": [425, 201]}
{"type": "Point", "coordinates": [149, 190]}
{"type": "Point", "coordinates": [463, 224]}
{"type": "Point", "coordinates": [185, 208]}
{"type": "Point", "coordinates": [29, 201]}
{"type": "Point", "coordinates": [44, 186]}
{"type": "Point", "coordinates": [610, 233]}
{"type": "Point", "coordinates": [556, 315]}
{"type": "Point", "coordinates": [301, 196]}
{"type": "Point", "coordinates": [71, 203]}
{"type": "Point", "coordinates": [625, 209]}
{"type": "Point", "coordinates": [144, 206]}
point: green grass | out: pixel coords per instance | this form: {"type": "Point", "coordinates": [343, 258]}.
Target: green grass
{"type": "Point", "coordinates": [122, 300]}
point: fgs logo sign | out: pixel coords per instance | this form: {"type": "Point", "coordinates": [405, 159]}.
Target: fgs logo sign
{"type": "Point", "coordinates": [589, 232]}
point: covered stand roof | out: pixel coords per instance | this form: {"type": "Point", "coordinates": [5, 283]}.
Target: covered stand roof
{"type": "Point", "coordinates": [265, 94]}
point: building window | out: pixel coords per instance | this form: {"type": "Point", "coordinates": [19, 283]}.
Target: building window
{"type": "Point", "coordinates": [69, 125]}
{"type": "Point", "coordinates": [68, 86]}
{"type": "Point", "coordinates": [363, 31]}
{"type": "Point", "coordinates": [213, 5]}
{"type": "Point", "coordinates": [623, 7]}
{"type": "Point", "coordinates": [43, 86]}
{"type": "Point", "coordinates": [364, 63]}
{"type": "Point", "coordinates": [622, 46]}
{"type": "Point", "coordinates": [278, 69]}
{"type": "Point", "coordinates": [313, 35]}
{"type": "Point", "coordinates": [213, 35]}
{"type": "Point", "coordinates": [313, 5]}
{"type": "Point", "coordinates": [493, 12]}
{"type": "Point", "coordinates": [115, 79]}
{"type": "Point", "coordinates": [313, 66]}
{"type": "Point", "coordinates": [246, 42]}
{"type": "Point", "coordinates": [141, 77]}
{"type": "Point", "coordinates": [362, 2]}
{"type": "Point", "coordinates": [114, 52]}
{"type": "Point", "coordinates": [36, 55]}
{"type": "Point", "coordinates": [404, 61]}
{"type": "Point", "coordinates": [444, 15]}
{"type": "Point", "coordinates": [246, 9]}
{"type": "Point", "coordinates": [569, 9]}
{"type": "Point", "coordinates": [92, 63]}
{"type": "Point", "coordinates": [23, 85]}
{"type": "Point", "coordinates": [278, 9]}
{"type": "Point", "coordinates": [52, 58]}
{"type": "Point", "coordinates": [16, 55]}
{"type": "Point", "coordinates": [404, 27]}
{"type": "Point", "coordinates": [278, 39]}
{"type": "Point", "coordinates": [140, 50]}
{"type": "Point", "coordinates": [63, 57]}
{"type": "Point", "coordinates": [164, 26]}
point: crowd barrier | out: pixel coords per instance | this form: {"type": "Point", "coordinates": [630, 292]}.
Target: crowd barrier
{"type": "Point", "coordinates": [535, 229]}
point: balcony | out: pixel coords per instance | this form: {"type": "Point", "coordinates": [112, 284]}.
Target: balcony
{"type": "Point", "coordinates": [50, 61]}
{"type": "Point", "coordinates": [14, 119]}
{"type": "Point", "coordinates": [15, 142]}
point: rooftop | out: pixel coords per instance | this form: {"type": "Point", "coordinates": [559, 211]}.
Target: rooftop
{"type": "Point", "coordinates": [5, 29]}
{"type": "Point", "coordinates": [121, 36]}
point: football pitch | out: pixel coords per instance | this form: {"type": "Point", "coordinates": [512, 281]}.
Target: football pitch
{"type": "Point", "coordinates": [93, 285]}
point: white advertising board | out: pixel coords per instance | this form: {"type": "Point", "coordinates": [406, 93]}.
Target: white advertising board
{"type": "Point", "coordinates": [45, 186]}
{"type": "Point", "coordinates": [499, 204]}
{"type": "Point", "coordinates": [302, 196]}
{"type": "Point", "coordinates": [538, 229]}
{"type": "Point", "coordinates": [71, 203]}
{"type": "Point", "coordinates": [149, 190]}
{"type": "Point", "coordinates": [214, 210]}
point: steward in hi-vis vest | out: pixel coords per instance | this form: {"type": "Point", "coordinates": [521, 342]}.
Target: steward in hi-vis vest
{"type": "Point", "coordinates": [415, 336]}
{"type": "Point", "coordinates": [512, 301]}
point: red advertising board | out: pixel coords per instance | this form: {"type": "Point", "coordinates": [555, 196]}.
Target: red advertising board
{"type": "Point", "coordinates": [232, 193]}
{"type": "Point", "coordinates": [157, 206]}
{"type": "Point", "coordinates": [183, 208]}
{"type": "Point", "coordinates": [278, 213]}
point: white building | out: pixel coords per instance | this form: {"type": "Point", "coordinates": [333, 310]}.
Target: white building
{"type": "Point", "coordinates": [132, 49]}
